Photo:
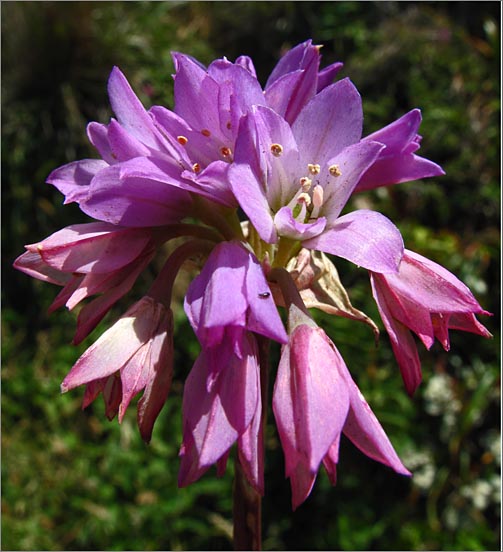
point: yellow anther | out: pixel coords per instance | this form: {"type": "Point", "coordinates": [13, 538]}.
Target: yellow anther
{"type": "Point", "coordinates": [182, 140]}
{"type": "Point", "coordinates": [313, 169]}
{"type": "Point", "coordinates": [304, 198]}
{"type": "Point", "coordinates": [225, 151]}
{"type": "Point", "coordinates": [334, 170]}
{"type": "Point", "coordinates": [306, 183]}
{"type": "Point", "coordinates": [196, 167]}
{"type": "Point", "coordinates": [205, 132]}
{"type": "Point", "coordinates": [276, 149]}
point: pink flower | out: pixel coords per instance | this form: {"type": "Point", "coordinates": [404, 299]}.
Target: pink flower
{"type": "Point", "coordinates": [314, 401]}
{"type": "Point", "coordinates": [228, 301]}
{"type": "Point", "coordinates": [293, 181]}
{"type": "Point", "coordinates": [428, 300]}
{"type": "Point", "coordinates": [88, 259]}
{"type": "Point", "coordinates": [135, 354]}
{"type": "Point", "coordinates": [137, 181]}
{"type": "Point", "coordinates": [222, 405]}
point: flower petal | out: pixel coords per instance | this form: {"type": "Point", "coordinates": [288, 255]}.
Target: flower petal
{"type": "Point", "coordinates": [331, 121]}
{"type": "Point", "coordinates": [287, 226]}
{"type": "Point", "coordinates": [73, 179]}
{"type": "Point", "coordinates": [352, 163]}
{"type": "Point", "coordinates": [402, 342]}
{"type": "Point", "coordinates": [366, 238]}
{"type": "Point", "coordinates": [134, 201]}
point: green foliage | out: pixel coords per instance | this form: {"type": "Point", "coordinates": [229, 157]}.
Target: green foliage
{"type": "Point", "coordinates": [72, 480]}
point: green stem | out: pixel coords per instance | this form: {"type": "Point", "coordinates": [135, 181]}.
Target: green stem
{"type": "Point", "coordinates": [287, 248]}
{"type": "Point", "coordinates": [162, 287]}
{"type": "Point", "coordinates": [224, 219]}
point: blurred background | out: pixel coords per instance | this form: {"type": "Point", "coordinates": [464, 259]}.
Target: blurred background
{"type": "Point", "coordinates": [71, 480]}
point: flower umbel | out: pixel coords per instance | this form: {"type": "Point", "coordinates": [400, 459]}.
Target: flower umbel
{"type": "Point", "coordinates": [288, 156]}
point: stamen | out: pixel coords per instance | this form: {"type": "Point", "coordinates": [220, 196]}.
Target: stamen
{"type": "Point", "coordinates": [305, 183]}
{"type": "Point", "coordinates": [334, 170]}
{"type": "Point", "coordinates": [304, 198]}
{"type": "Point", "coordinates": [276, 149]}
{"type": "Point", "coordinates": [313, 169]}
{"type": "Point", "coordinates": [205, 132]}
{"type": "Point", "coordinates": [225, 152]}
{"type": "Point", "coordinates": [182, 140]}
{"type": "Point", "coordinates": [196, 167]}
{"type": "Point", "coordinates": [228, 125]}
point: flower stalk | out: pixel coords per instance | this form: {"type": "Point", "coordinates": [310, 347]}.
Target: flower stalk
{"type": "Point", "coordinates": [247, 501]}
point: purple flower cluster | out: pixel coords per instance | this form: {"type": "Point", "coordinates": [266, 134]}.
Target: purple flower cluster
{"type": "Point", "coordinates": [288, 156]}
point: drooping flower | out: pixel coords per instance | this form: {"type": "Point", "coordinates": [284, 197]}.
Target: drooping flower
{"type": "Point", "coordinates": [428, 300]}
{"type": "Point", "coordinates": [221, 406]}
{"type": "Point", "coordinates": [231, 292]}
{"type": "Point", "coordinates": [89, 259]}
{"type": "Point", "coordinates": [314, 401]}
{"type": "Point", "coordinates": [226, 304]}
{"type": "Point", "coordinates": [294, 181]}
{"type": "Point", "coordinates": [135, 354]}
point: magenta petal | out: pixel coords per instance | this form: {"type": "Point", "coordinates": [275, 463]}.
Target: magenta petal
{"type": "Point", "coordinates": [251, 450]}
{"type": "Point", "coordinates": [130, 111]}
{"type": "Point", "coordinates": [207, 304]}
{"type": "Point", "coordinates": [31, 263]}
{"type": "Point", "coordinates": [402, 342]}
{"type": "Point", "coordinates": [366, 238]}
{"type": "Point", "coordinates": [330, 122]}
{"type": "Point", "coordinates": [212, 182]}
{"type": "Point", "coordinates": [112, 288]}
{"type": "Point", "coordinates": [98, 136]}
{"type": "Point", "coordinates": [310, 400]}
{"type": "Point", "coordinates": [287, 226]}
{"type": "Point", "coordinates": [302, 482]}
{"type": "Point", "coordinates": [279, 94]}
{"type": "Point", "coordinates": [132, 201]}
{"type": "Point", "coordinates": [238, 91]}
{"type": "Point", "coordinates": [397, 163]}
{"type": "Point", "coordinates": [351, 162]}
{"type": "Point", "coordinates": [397, 135]}
{"type": "Point", "coordinates": [263, 317]}
{"type": "Point", "coordinates": [248, 191]}
{"type": "Point", "coordinates": [73, 179]}
{"type": "Point", "coordinates": [431, 285]}
{"type": "Point", "coordinates": [123, 145]}
{"type": "Point", "coordinates": [327, 75]}
{"type": "Point", "coordinates": [115, 347]}
{"type": "Point", "coordinates": [196, 95]}
{"type": "Point", "coordinates": [218, 416]}
{"type": "Point", "coordinates": [96, 246]}
{"type": "Point", "coordinates": [397, 169]}
{"type": "Point", "coordinates": [468, 323]}
{"type": "Point", "coordinates": [247, 63]}
{"type": "Point", "coordinates": [365, 431]}
{"type": "Point", "coordinates": [296, 58]}
{"type": "Point", "coordinates": [331, 460]}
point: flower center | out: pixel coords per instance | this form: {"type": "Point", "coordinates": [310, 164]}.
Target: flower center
{"type": "Point", "coordinates": [308, 200]}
